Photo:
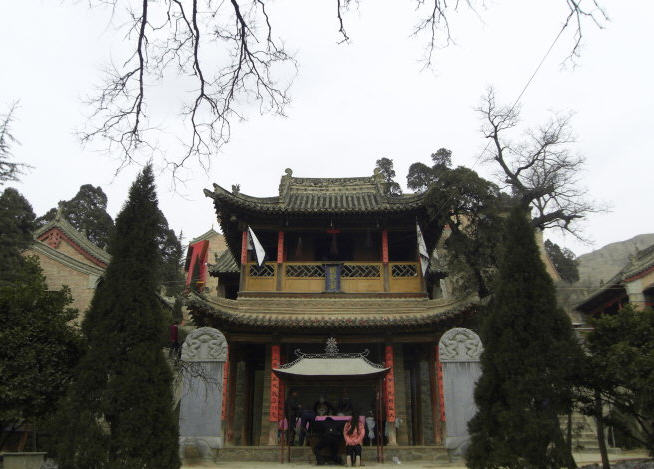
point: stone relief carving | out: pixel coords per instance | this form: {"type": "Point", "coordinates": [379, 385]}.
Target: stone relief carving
{"type": "Point", "coordinates": [459, 345]}
{"type": "Point", "coordinates": [205, 345]}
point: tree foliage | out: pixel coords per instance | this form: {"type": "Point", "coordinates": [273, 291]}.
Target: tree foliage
{"type": "Point", "coordinates": [40, 347]}
{"type": "Point", "coordinates": [528, 364]}
{"type": "Point", "coordinates": [184, 39]}
{"type": "Point", "coordinates": [621, 358]}
{"type": "Point", "coordinates": [471, 206]}
{"type": "Point", "coordinates": [172, 257]}
{"type": "Point", "coordinates": [564, 260]}
{"type": "Point", "coordinates": [16, 231]}
{"type": "Point", "coordinates": [119, 412]}
{"type": "Point", "coordinates": [87, 212]}
{"type": "Point", "coordinates": [385, 167]}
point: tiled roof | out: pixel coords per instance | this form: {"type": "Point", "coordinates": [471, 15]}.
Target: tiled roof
{"type": "Point", "coordinates": [323, 195]}
{"type": "Point", "coordinates": [208, 235]}
{"type": "Point", "coordinates": [225, 264]}
{"type": "Point", "coordinates": [311, 313]}
{"type": "Point", "coordinates": [78, 238]}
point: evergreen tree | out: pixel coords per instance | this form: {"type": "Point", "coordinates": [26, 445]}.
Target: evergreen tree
{"type": "Point", "coordinates": [87, 212]}
{"type": "Point", "coordinates": [529, 359]}
{"type": "Point", "coordinates": [385, 167]}
{"type": "Point", "coordinates": [16, 231]}
{"type": "Point", "coordinates": [122, 400]}
{"type": "Point", "coordinates": [564, 260]}
{"type": "Point", "coordinates": [172, 256]}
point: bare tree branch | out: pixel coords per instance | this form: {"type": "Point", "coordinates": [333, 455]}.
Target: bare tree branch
{"type": "Point", "coordinates": [541, 171]}
{"type": "Point", "coordinates": [9, 170]}
{"type": "Point", "coordinates": [224, 54]}
{"type": "Point", "coordinates": [214, 46]}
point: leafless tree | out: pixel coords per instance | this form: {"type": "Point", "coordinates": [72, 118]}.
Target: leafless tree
{"type": "Point", "coordinates": [228, 54]}
{"type": "Point", "coordinates": [540, 170]}
{"type": "Point", "coordinates": [9, 170]}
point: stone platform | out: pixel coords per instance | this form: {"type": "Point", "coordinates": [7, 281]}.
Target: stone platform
{"type": "Point", "coordinates": [303, 454]}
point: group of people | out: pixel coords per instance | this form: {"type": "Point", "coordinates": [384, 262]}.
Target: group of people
{"type": "Point", "coordinates": [331, 427]}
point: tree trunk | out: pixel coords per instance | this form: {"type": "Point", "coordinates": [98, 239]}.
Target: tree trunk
{"type": "Point", "coordinates": [600, 431]}
{"type": "Point", "coordinates": [569, 432]}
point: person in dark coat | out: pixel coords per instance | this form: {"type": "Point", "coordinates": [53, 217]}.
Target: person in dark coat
{"type": "Point", "coordinates": [292, 409]}
{"type": "Point", "coordinates": [331, 437]}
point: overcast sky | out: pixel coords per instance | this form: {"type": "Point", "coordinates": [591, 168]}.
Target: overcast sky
{"type": "Point", "coordinates": [354, 103]}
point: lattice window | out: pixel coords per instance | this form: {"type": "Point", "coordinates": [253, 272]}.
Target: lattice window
{"type": "Point", "coordinates": [266, 270]}
{"type": "Point", "coordinates": [305, 270]}
{"type": "Point", "coordinates": [360, 271]}
{"type": "Point", "coordinates": [404, 270]}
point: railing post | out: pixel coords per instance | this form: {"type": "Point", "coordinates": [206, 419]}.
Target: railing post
{"type": "Point", "coordinates": [387, 270]}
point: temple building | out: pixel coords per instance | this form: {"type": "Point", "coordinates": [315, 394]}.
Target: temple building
{"type": "Point", "coordinates": [341, 260]}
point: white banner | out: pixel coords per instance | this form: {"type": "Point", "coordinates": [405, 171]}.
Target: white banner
{"type": "Point", "coordinates": [422, 250]}
{"type": "Point", "coordinates": [253, 243]}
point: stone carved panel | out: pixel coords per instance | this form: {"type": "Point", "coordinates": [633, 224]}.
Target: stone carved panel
{"type": "Point", "coordinates": [460, 345]}
{"type": "Point", "coordinates": [205, 345]}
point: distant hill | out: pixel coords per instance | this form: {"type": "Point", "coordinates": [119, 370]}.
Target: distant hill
{"type": "Point", "coordinates": [599, 266]}
{"type": "Point", "coordinates": [602, 264]}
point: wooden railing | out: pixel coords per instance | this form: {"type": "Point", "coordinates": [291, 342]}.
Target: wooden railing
{"type": "Point", "coordinates": [355, 277]}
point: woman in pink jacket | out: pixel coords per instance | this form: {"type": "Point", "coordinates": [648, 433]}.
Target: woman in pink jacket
{"type": "Point", "coordinates": [353, 432]}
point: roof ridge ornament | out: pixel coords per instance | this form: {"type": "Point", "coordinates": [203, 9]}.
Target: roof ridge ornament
{"type": "Point", "coordinates": [331, 348]}
{"type": "Point", "coordinates": [60, 212]}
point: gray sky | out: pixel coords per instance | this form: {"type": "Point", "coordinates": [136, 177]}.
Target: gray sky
{"type": "Point", "coordinates": [353, 103]}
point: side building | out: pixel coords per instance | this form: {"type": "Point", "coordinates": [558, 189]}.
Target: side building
{"type": "Point", "coordinates": [633, 284]}
{"type": "Point", "coordinates": [67, 257]}
{"type": "Point", "coordinates": [341, 261]}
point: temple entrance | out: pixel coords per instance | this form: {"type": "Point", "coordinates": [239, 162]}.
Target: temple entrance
{"type": "Point", "coordinates": [318, 373]}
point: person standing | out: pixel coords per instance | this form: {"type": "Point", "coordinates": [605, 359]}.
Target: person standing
{"type": "Point", "coordinates": [292, 409]}
{"type": "Point", "coordinates": [353, 432]}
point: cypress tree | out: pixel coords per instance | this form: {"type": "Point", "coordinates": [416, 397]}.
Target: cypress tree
{"type": "Point", "coordinates": [122, 400]}
{"type": "Point", "coordinates": [528, 364]}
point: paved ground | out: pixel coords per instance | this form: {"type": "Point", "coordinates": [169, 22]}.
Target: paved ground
{"type": "Point", "coordinates": [581, 458]}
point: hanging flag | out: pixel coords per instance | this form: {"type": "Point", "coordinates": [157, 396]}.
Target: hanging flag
{"type": "Point", "coordinates": [253, 243]}
{"type": "Point", "coordinates": [422, 250]}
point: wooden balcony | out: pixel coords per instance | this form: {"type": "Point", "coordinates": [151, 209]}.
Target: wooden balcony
{"type": "Point", "coordinates": [319, 277]}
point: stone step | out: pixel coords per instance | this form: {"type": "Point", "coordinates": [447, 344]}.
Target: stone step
{"type": "Point", "coordinates": [304, 454]}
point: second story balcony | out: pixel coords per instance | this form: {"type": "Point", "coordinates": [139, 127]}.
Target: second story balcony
{"type": "Point", "coordinates": [333, 277]}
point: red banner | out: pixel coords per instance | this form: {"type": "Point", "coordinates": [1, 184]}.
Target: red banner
{"type": "Point", "coordinates": [274, 384]}
{"type": "Point", "coordinates": [197, 255]}
{"type": "Point", "coordinates": [389, 391]}
{"type": "Point", "coordinates": [439, 378]}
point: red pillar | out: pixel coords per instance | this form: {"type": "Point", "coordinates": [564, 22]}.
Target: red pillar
{"type": "Point", "coordinates": [225, 384]}
{"type": "Point", "coordinates": [389, 388]}
{"type": "Point", "coordinates": [280, 247]}
{"type": "Point", "coordinates": [244, 248]}
{"type": "Point", "coordinates": [385, 246]}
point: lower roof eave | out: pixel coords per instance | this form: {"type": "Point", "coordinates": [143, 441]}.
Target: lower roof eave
{"type": "Point", "coordinates": [210, 313]}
